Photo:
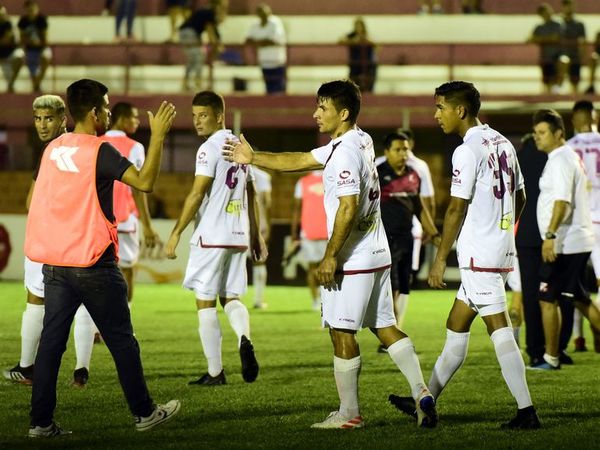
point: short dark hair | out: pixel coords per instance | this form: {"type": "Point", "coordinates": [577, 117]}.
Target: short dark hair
{"type": "Point", "coordinates": [210, 98]}
{"type": "Point", "coordinates": [83, 96]}
{"type": "Point", "coordinates": [121, 109]}
{"type": "Point", "coordinates": [551, 117]}
{"type": "Point", "coordinates": [408, 132]}
{"type": "Point", "coordinates": [344, 94]}
{"type": "Point", "coordinates": [390, 138]}
{"type": "Point", "coordinates": [584, 106]}
{"type": "Point", "coordinates": [461, 93]}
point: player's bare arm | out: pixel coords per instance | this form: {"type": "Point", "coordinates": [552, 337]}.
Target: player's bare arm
{"type": "Point", "coordinates": [427, 222]}
{"type": "Point", "coordinates": [258, 247]}
{"type": "Point", "coordinates": [190, 207]}
{"type": "Point", "coordinates": [242, 153]}
{"type": "Point", "coordinates": [160, 124]}
{"type": "Point", "coordinates": [452, 223]}
{"type": "Point", "coordinates": [151, 237]}
{"type": "Point", "coordinates": [559, 211]}
{"type": "Point", "coordinates": [344, 220]}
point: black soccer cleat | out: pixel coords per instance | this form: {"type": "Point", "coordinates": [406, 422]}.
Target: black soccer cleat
{"type": "Point", "coordinates": [207, 380]}
{"type": "Point", "coordinates": [23, 375]}
{"type": "Point", "coordinates": [80, 378]}
{"type": "Point", "coordinates": [526, 419]}
{"type": "Point", "coordinates": [405, 404]}
{"type": "Point", "coordinates": [249, 362]}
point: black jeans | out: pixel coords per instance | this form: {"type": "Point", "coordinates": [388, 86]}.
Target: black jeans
{"type": "Point", "coordinates": [530, 261]}
{"type": "Point", "coordinates": [103, 291]}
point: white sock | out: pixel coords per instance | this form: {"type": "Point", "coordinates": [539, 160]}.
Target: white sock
{"type": "Point", "coordinates": [552, 360]}
{"type": "Point", "coordinates": [238, 316]}
{"type": "Point", "coordinates": [453, 355]}
{"type": "Point", "coordinates": [31, 330]}
{"type": "Point", "coordinates": [346, 373]}
{"type": "Point", "coordinates": [210, 338]}
{"type": "Point", "coordinates": [83, 332]}
{"type": "Point", "coordinates": [400, 307]}
{"type": "Point", "coordinates": [403, 354]}
{"type": "Point", "coordinates": [512, 365]}
{"type": "Point", "coordinates": [259, 281]}
{"type": "Point", "coordinates": [577, 324]}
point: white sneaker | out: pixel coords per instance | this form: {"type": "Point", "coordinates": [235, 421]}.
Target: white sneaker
{"type": "Point", "coordinates": [161, 414]}
{"type": "Point", "coordinates": [51, 430]}
{"type": "Point", "coordinates": [337, 420]}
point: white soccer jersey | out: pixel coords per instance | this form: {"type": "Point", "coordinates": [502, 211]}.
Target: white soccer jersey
{"type": "Point", "coordinates": [485, 172]}
{"type": "Point", "coordinates": [224, 210]}
{"type": "Point", "coordinates": [349, 162]}
{"type": "Point", "coordinates": [564, 179]}
{"type": "Point", "coordinates": [422, 169]}
{"type": "Point", "coordinates": [137, 156]}
{"type": "Point", "coordinates": [587, 146]}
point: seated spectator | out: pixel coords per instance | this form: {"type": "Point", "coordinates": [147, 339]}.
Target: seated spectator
{"type": "Point", "coordinates": [362, 56]}
{"type": "Point", "coordinates": [573, 42]}
{"type": "Point", "coordinates": [548, 36]}
{"type": "Point", "coordinates": [430, 6]}
{"type": "Point", "coordinates": [11, 56]}
{"type": "Point", "coordinates": [594, 57]}
{"type": "Point", "coordinates": [33, 30]}
{"type": "Point", "coordinates": [190, 35]}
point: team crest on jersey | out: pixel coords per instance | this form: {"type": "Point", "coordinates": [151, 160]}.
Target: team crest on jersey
{"type": "Point", "coordinates": [345, 174]}
{"type": "Point", "coordinates": [344, 180]}
{"type": "Point", "coordinates": [455, 177]}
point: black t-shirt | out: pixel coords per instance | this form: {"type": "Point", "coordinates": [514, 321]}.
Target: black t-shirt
{"type": "Point", "coordinates": [110, 166]}
{"type": "Point", "coordinates": [399, 199]}
{"type": "Point", "coordinates": [199, 20]}
{"type": "Point", "coordinates": [33, 30]}
{"type": "Point", "coordinates": [6, 49]}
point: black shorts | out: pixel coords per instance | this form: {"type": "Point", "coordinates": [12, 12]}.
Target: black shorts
{"type": "Point", "coordinates": [401, 249]}
{"type": "Point", "coordinates": [565, 278]}
{"type": "Point", "coordinates": [575, 72]}
{"type": "Point", "coordinates": [549, 72]}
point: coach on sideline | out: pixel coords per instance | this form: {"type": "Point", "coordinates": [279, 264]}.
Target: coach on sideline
{"type": "Point", "coordinates": [72, 230]}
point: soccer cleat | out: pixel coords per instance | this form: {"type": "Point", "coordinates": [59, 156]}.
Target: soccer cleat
{"type": "Point", "coordinates": [426, 413]}
{"type": "Point", "coordinates": [579, 343]}
{"type": "Point", "coordinates": [208, 380]}
{"type": "Point", "coordinates": [405, 404]}
{"type": "Point", "coordinates": [543, 365]}
{"type": "Point", "coordinates": [50, 431]}
{"type": "Point", "coordinates": [249, 362]}
{"type": "Point", "coordinates": [161, 414]}
{"type": "Point", "coordinates": [23, 375]}
{"type": "Point", "coordinates": [564, 358]}
{"type": "Point", "coordinates": [526, 419]}
{"type": "Point", "coordinates": [80, 378]}
{"type": "Point", "coordinates": [335, 420]}
{"type": "Point", "coordinates": [382, 349]}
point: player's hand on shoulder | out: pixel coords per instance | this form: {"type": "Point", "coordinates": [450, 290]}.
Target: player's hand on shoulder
{"type": "Point", "coordinates": [240, 151]}
{"type": "Point", "coordinates": [161, 121]}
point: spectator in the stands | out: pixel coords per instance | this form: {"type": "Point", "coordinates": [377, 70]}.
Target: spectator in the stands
{"type": "Point", "coordinates": [430, 6]}
{"type": "Point", "coordinates": [362, 56]}
{"type": "Point", "coordinates": [11, 56]}
{"type": "Point", "coordinates": [573, 42]}
{"type": "Point", "coordinates": [548, 36]}
{"type": "Point", "coordinates": [594, 58]}
{"type": "Point", "coordinates": [472, 6]}
{"type": "Point", "coordinates": [178, 11]}
{"type": "Point", "coordinates": [125, 11]}
{"type": "Point", "coordinates": [33, 30]}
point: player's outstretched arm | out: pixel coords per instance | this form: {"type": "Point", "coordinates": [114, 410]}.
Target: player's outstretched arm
{"type": "Point", "coordinates": [160, 124]}
{"type": "Point", "coordinates": [242, 153]}
{"type": "Point", "coordinates": [190, 207]}
{"type": "Point", "coordinates": [452, 223]}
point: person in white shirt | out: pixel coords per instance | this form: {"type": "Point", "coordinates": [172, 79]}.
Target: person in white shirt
{"type": "Point", "coordinates": [487, 197]}
{"type": "Point", "coordinates": [223, 195]}
{"type": "Point", "coordinates": [268, 37]}
{"type": "Point", "coordinates": [262, 183]}
{"type": "Point", "coordinates": [586, 144]}
{"type": "Point", "coordinates": [355, 271]}
{"type": "Point", "coordinates": [565, 223]}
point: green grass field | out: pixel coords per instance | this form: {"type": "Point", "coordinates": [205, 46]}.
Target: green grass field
{"type": "Point", "coordinates": [295, 387]}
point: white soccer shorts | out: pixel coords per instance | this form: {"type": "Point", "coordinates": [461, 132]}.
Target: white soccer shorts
{"type": "Point", "coordinates": [129, 248]}
{"type": "Point", "coordinates": [483, 292]}
{"type": "Point", "coordinates": [360, 301]}
{"type": "Point", "coordinates": [34, 278]}
{"type": "Point", "coordinates": [213, 272]}
{"type": "Point", "coordinates": [312, 251]}
{"type": "Point", "coordinates": [514, 278]}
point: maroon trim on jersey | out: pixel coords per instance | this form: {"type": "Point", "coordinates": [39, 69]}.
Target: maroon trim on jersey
{"type": "Point", "coordinates": [333, 147]}
{"type": "Point", "coordinates": [359, 271]}
{"type": "Point", "coordinates": [201, 244]}
{"type": "Point", "coordinates": [474, 268]}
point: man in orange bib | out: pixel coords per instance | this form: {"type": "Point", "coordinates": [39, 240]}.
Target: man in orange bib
{"type": "Point", "coordinates": [71, 229]}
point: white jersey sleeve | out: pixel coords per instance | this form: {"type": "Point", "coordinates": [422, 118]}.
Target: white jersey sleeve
{"type": "Point", "coordinates": [206, 161]}
{"type": "Point", "coordinates": [464, 173]}
{"type": "Point", "coordinates": [137, 156]}
{"type": "Point", "coordinates": [298, 190]}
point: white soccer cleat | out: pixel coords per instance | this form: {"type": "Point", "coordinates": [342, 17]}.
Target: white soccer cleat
{"type": "Point", "coordinates": [161, 414]}
{"type": "Point", "coordinates": [52, 430]}
{"type": "Point", "coordinates": [336, 420]}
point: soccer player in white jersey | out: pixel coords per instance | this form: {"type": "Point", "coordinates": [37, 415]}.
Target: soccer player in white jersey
{"type": "Point", "coordinates": [224, 197]}
{"type": "Point", "coordinates": [586, 144]}
{"type": "Point", "coordinates": [487, 197]}
{"type": "Point", "coordinates": [50, 122]}
{"type": "Point", "coordinates": [355, 271]}
{"type": "Point", "coordinates": [262, 183]}
{"type": "Point", "coordinates": [565, 223]}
